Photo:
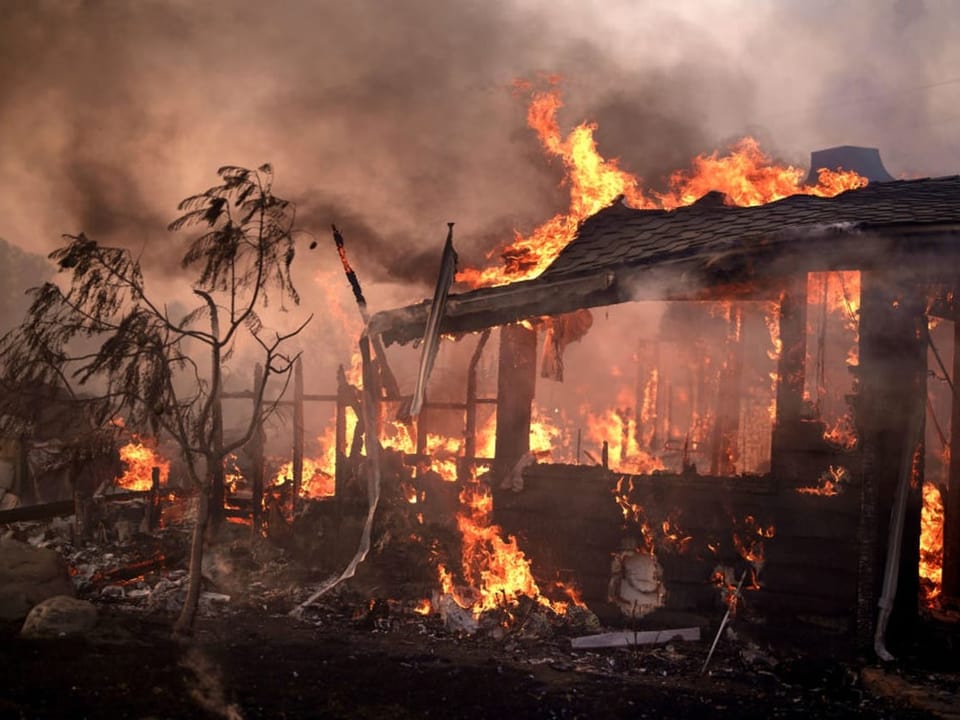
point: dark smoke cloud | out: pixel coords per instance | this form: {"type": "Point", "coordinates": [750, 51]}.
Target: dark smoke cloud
{"type": "Point", "coordinates": [391, 119]}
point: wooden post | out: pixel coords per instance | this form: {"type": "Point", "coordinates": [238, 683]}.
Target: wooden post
{"type": "Point", "coordinates": [516, 384]}
{"type": "Point", "coordinates": [217, 485]}
{"type": "Point", "coordinates": [951, 501]}
{"type": "Point", "coordinates": [297, 434]}
{"type": "Point", "coordinates": [726, 428]}
{"type": "Point", "coordinates": [153, 507]}
{"type": "Point", "coordinates": [421, 426]}
{"type": "Point", "coordinates": [787, 432]}
{"type": "Point", "coordinates": [891, 371]}
{"type": "Point", "coordinates": [82, 513]}
{"type": "Point", "coordinates": [793, 340]}
{"type": "Point", "coordinates": [256, 458]}
{"type": "Point", "coordinates": [340, 432]}
{"type": "Point", "coordinates": [470, 421]}
{"type": "Point", "coordinates": [605, 455]}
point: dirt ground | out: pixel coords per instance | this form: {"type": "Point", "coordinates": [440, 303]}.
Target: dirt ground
{"type": "Point", "coordinates": [254, 663]}
{"type": "Point", "coordinates": [360, 654]}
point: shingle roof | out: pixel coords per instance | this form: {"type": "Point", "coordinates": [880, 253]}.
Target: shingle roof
{"type": "Point", "coordinates": [713, 243]}
{"type": "Point", "coordinates": [619, 235]}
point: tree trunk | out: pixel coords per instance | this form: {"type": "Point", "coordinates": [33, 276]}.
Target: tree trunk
{"type": "Point", "coordinates": [184, 623]}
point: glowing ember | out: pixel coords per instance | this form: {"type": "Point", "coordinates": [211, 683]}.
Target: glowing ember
{"type": "Point", "coordinates": [423, 607]}
{"type": "Point", "coordinates": [139, 459]}
{"type": "Point", "coordinates": [674, 538]}
{"type": "Point", "coordinates": [831, 483]}
{"type": "Point", "coordinates": [496, 570]}
{"type": "Point", "coordinates": [748, 539]}
{"type": "Point", "coordinates": [723, 577]}
{"type": "Point", "coordinates": [931, 545]}
{"type": "Point", "coordinates": [745, 175]}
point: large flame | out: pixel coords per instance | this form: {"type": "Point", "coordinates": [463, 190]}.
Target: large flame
{"type": "Point", "coordinates": [931, 545]}
{"type": "Point", "coordinates": [745, 175]}
{"type": "Point", "coordinates": [617, 427]}
{"type": "Point", "coordinates": [139, 457]}
{"type": "Point", "coordinates": [495, 569]}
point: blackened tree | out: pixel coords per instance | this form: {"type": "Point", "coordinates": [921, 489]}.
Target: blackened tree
{"type": "Point", "coordinates": [100, 336]}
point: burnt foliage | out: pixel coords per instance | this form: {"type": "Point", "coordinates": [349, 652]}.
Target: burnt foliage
{"type": "Point", "coordinates": [96, 336]}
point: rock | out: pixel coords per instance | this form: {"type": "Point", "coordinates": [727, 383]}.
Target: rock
{"type": "Point", "coordinates": [29, 575]}
{"type": "Point", "coordinates": [113, 593]}
{"type": "Point", "coordinates": [60, 616]}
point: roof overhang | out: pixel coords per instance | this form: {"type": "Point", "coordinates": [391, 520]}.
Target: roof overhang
{"type": "Point", "coordinates": [747, 269]}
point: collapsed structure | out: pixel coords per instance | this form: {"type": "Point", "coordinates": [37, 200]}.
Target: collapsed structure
{"type": "Point", "coordinates": [810, 483]}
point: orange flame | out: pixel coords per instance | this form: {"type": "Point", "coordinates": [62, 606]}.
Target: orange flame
{"type": "Point", "coordinates": [617, 427]}
{"type": "Point", "coordinates": [496, 569]}
{"type": "Point", "coordinates": [837, 295]}
{"type": "Point", "coordinates": [746, 175]}
{"type": "Point", "coordinates": [139, 459]}
{"type": "Point", "coordinates": [931, 545]}
{"type": "Point", "coordinates": [317, 479]}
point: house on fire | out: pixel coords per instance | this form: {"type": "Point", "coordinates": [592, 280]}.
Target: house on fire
{"type": "Point", "coordinates": [752, 474]}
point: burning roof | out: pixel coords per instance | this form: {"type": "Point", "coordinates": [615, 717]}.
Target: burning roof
{"type": "Point", "coordinates": [619, 253]}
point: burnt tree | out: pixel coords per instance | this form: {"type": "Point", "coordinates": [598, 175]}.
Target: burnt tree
{"type": "Point", "coordinates": [113, 348]}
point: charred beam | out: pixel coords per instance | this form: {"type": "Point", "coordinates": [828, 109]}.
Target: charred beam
{"type": "Point", "coordinates": [516, 383]}
{"type": "Point", "coordinates": [951, 509]}
{"type": "Point", "coordinates": [891, 371]}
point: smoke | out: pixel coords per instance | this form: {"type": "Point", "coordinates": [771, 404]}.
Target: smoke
{"type": "Point", "coordinates": [880, 74]}
{"type": "Point", "coordinates": [204, 683]}
{"type": "Point", "coordinates": [392, 119]}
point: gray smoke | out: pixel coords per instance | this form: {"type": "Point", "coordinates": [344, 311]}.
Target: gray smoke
{"type": "Point", "coordinates": [391, 119]}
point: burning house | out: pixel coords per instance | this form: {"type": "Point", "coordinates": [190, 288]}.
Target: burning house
{"type": "Point", "coordinates": [789, 405]}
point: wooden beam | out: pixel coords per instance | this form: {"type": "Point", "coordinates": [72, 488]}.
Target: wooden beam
{"type": "Point", "coordinates": [516, 384]}
{"type": "Point", "coordinates": [470, 419]}
{"type": "Point", "coordinates": [890, 377]}
{"type": "Point", "coordinates": [298, 433]}
{"type": "Point", "coordinates": [257, 443]}
{"type": "Point", "coordinates": [31, 513]}
{"type": "Point", "coordinates": [951, 502]}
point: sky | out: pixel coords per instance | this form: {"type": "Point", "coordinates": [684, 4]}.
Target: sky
{"type": "Point", "coordinates": [391, 118]}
